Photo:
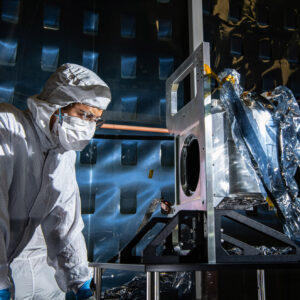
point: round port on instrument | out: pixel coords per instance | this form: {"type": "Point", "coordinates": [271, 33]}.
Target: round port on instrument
{"type": "Point", "coordinates": [190, 165]}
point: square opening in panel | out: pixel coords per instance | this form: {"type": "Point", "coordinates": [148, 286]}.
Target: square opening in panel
{"type": "Point", "coordinates": [89, 154]}
{"type": "Point", "coordinates": [236, 48]}
{"type": "Point", "coordinates": [235, 11]}
{"type": "Point", "coordinates": [208, 37]}
{"type": "Point", "coordinates": [262, 15]}
{"type": "Point", "coordinates": [167, 154]}
{"type": "Point", "coordinates": [10, 11]}
{"type": "Point", "coordinates": [242, 80]}
{"type": "Point", "coordinates": [128, 26]}
{"type": "Point", "coordinates": [128, 201]}
{"type": "Point", "coordinates": [49, 60]}
{"type": "Point", "coordinates": [291, 19]}
{"type": "Point", "coordinates": [128, 67]}
{"type": "Point", "coordinates": [8, 53]}
{"type": "Point", "coordinates": [129, 105]}
{"type": "Point", "coordinates": [181, 91]}
{"type": "Point", "coordinates": [51, 17]}
{"type": "Point", "coordinates": [295, 87]}
{"type": "Point", "coordinates": [265, 49]}
{"type": "Point", "coordinates": [166, 67]}
{"type": "Point", "coordinates": [88, 199]}
{"type": "Point", "coordinates": [168, 194]}
{"type": "Point", "coordinates": [293, 55]}
{"type": "Point", "coordinates": [90, 60]}
{"type": "Point", "coordinates": [267, 83]}
{"type": "Point", "coordinates": [164, 29]}
{"type": "Point", "coordinates": [129, 153]}
{"type": "Point", "coordinates": [207, 7]}
{"type": "Point", "coordinates": [6, 92]}
{"type": "Point", "coordinates": [162, 109]}
{"type": "Point", "coordinates": [90, 22]}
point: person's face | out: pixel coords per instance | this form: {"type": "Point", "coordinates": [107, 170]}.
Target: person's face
{"type": "Point", "coordinates": [81, 111]}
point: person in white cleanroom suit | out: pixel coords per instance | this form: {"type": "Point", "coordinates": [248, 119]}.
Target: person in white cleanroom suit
{"type": "Point", "coordinates": [37, 175]}
{"type": "Point", "coordinates": [33, 277]}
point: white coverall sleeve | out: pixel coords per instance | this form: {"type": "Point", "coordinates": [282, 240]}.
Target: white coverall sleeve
{"type": "Point", "coordinates": [66, 247]}
{"type": "Point", "coordinates": [6, 172]}
{"type": "Point", "coordinates": [71, 265]}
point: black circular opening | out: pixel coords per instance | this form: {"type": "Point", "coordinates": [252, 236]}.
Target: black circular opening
{"type": "Point", "coordinates": [190, 165]}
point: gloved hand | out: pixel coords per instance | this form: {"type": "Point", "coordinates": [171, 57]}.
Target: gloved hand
{"type": "Point", "coordinates": [4, 294]}
{"type": "Point", "coordinates": [84, 292]}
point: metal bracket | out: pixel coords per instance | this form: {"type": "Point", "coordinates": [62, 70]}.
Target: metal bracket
{"type": "Point", "coordinates": [190, 241]}
{"type": "Point", "coordinates": [250, 252]}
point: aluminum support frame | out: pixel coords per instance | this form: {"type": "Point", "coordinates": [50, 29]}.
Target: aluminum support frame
{"type": "Point", "coordinates": [152, 286]}
{"type": "Point", "coordinates": [261, 289]}
{"type": "Point", "coordinates": [152, 272]}
{"type": "Point", "coordinates": [198, 284]}
{"type": "Point", "coordinates": [98, 281]}
{"type": "Point", "coordinates": [195, 33]}
{"type": "Point", "coordinates": [249, 251]}
{"type": "Point", "coordinates": [148, 286]}
{"type": "Point", "coordinates": [194, 119]}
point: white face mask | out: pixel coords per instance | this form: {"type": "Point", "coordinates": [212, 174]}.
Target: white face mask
{"type": "Point", "coordinates": [75, 133]}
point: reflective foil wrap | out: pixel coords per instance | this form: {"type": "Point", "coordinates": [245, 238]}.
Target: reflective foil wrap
{"type": "Point", "coordinates": [135, 289]}
{"type": "Point", "coordinates": [234, 186]}
{"type": "Point", "coordinates": [266, 130]}
{"type": "Point", "coordinates": [263, 250]}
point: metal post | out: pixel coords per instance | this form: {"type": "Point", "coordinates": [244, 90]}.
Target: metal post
{"type": "Point", "coordinates": [148, 286]}
{"type": "Point", "coordinates": [261, 284]}
{"type": "Point", "coordinates": [152, 286]}
{"type": "Point", "coordinates": [98, 282]}
{"type": "Point", "coordinates": [195, 24]}
{"type": "Point", "coordinates": [195, 34]}
{"type": "Point", "coordinates": [198, 283]}
{"type": "Point", "coordinates": [156, 286]}
{"type": "Point", "coordinates": [196, 38]}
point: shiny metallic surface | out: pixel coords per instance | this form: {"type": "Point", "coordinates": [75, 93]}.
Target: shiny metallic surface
{"type": "Point", "coordinates": [149, 286]}
{"type": "Point", "coordinates": [261, 285]}
{"type": "Point", "coordinates": [98, 282]}
{"type": "Point", "coordinates": [188, 116]}
{"type": "Point", "coordinates": [266, 130]}
{"type": "Point", "coordinates": [189, 120]}
{"type": "Point", "coordinates": [116, 193]}
{"type": "Point", "coordinates": [198, 284]}
{"type": "Point", "coordinates": [196, 36]}
{"type": "Point", "coordinates": [223, 177]}
{"type": "Point", "coordinates": [196, 24]}
{"type": "Point", "coordinates": [234, 184]}
{"type": "Point", "coordinates": [156, 286]}
{"type": "Point", "coordinates": [194, 119]}
{"type": "Point", "coordinates": [152, 286]}
{"type": "Point", "coordinates": [170, 283]}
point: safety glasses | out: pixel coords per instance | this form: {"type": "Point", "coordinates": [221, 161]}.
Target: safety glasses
{"type": "Point", "coordinates": [84, 115]}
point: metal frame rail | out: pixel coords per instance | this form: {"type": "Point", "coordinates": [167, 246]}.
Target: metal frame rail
{"type": "Point", "coordinates": [152, 273]}
{"type": "Point", "coordinates": [152, 262]}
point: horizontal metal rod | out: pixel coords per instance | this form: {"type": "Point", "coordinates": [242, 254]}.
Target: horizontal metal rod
{"type": "Point", "coordinates": [121, 136]}
{"type": "Point", "coordinates": [134, 128]}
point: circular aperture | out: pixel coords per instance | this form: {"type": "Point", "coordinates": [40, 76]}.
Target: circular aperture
{"type": "Point", "coordinates": [190, 165]}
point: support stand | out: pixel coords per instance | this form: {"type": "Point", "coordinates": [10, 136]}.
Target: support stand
{"type": "Point", "coordinates": [261, 284]}
{"type": "Point", "coordinates": [192, 255]}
